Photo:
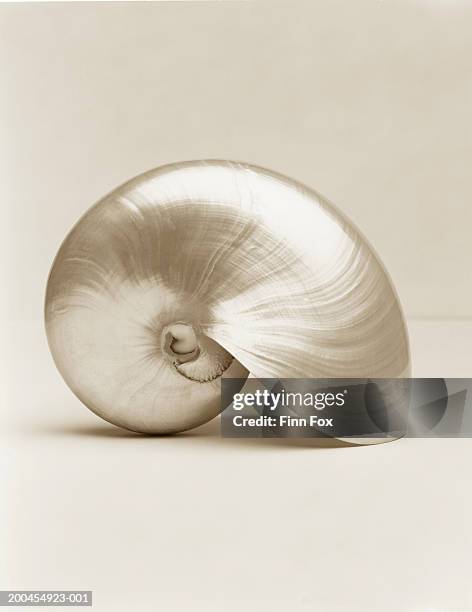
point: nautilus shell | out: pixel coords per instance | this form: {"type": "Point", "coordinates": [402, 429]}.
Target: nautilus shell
{"type": "Point", "coordinates": [202, 270]}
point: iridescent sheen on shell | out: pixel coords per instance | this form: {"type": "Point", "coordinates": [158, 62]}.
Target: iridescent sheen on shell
{"type": "Point", "coordinates": [273, 280]}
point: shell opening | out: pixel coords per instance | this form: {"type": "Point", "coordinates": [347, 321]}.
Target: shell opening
{"type": "Point", "coordinates": [180, 343]}
{"type": "Point", "coordinates": [194, 356]}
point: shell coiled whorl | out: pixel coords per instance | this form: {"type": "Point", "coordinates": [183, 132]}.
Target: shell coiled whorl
{"type": "Point", "coordinates": [200, 270]}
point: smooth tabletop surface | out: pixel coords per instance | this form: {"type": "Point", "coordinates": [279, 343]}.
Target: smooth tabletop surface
{"type": "Point", "coordinates": [198, 522]}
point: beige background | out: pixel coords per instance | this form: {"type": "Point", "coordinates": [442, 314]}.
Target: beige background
{"type": "Point", "coordinates": [366, 101]}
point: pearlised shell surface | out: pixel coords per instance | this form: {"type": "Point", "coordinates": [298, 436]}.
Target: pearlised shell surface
{"type": "Point", "coordinates": [273, 280]}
